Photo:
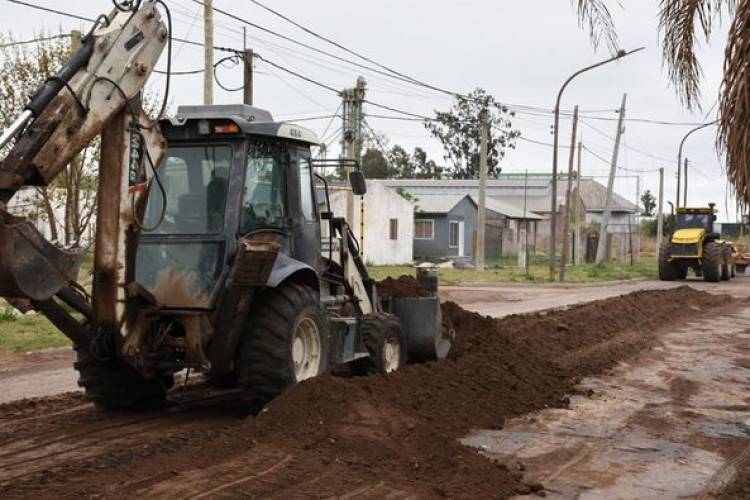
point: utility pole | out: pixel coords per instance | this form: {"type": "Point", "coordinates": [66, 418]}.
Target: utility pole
{"type": "Point", "coordinates": [684, 197]}
{"type": "Point", "coordinates": [208, 52]}
{"type": "Point", "coordinates": [566, 220]}
{"type": "Point", "coordinates": [660, 211]}
{"type": "Point", "coordinates": [578, 207]}
{"type": "Point", "coordinates": [247, 57]}
{"type": "Point", "coordinates": [637, 253]}
{"type": "Point", "coordinates": [351, 139]}
{"type": "Point", "coordinates": [601, 249]}
{"type": "Point", "coordinates": [484, 120]}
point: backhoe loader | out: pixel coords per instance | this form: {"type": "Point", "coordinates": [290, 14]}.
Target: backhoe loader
{"type": "Point", "coordinates": [208, 252]}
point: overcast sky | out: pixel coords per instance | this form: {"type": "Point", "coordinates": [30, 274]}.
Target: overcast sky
{"type": "Point", "coordinates": [520, 51]}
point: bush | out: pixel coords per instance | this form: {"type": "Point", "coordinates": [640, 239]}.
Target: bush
{"type": "Point", "coordinates": [8, 314]}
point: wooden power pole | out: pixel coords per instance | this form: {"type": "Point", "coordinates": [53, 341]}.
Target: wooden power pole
{"type": "Point", "coordinates": [579, 222]}
{"type": "Point", "coordinates": [247, 57]}
{"type": "Point", "coordinates": [566, 219]}
{"type": "Point", "coordinates": [660, 210]}
{"type": "Point", "coordinates": [484, 123]}
{"type": "Point", "coordinates": [601, 250]}
{"type": "Point", "coordinates": [208, 52]}
{"type": "Point", "coordinates": [685, 184]}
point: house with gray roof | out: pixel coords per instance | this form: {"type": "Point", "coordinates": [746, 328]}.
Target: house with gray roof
{"type": "Point", "coordinates": [446, 226]}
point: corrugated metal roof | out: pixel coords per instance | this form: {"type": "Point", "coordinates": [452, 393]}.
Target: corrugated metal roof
{"type": "Point", "coordinates": [507, 209]}
{"type": "Point", "coordinates": [437, 204]}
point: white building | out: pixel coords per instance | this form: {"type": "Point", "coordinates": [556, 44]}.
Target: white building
{"type": "Point", "coordinates": [389, 223]}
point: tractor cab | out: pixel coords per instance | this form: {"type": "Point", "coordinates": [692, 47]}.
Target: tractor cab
{"type": "Point", "coordinates": [696, 218]}
{"type": "Point", "coordinates": [229, 171]}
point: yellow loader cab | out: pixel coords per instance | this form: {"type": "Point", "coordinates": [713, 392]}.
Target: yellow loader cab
{"type": "Point", "coordinates": [694, 245]}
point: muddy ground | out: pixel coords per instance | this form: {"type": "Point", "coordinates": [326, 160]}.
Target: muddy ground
{"type": "Point", "coordinates": [350, 437]}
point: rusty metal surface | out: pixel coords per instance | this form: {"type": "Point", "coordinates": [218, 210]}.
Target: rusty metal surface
{"type": "Point", "coordinates": [61, 131]}
{"type": "Point", "coordinates": [107, 252]}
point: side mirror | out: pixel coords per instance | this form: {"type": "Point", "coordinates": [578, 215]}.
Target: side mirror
{"type": "Point", "coordinates": [357, 181]}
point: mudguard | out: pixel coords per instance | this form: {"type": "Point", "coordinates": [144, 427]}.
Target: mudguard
{"type": "Point", "coordinates": [285, 266]}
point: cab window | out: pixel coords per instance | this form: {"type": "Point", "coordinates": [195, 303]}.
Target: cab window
{"type": "Point", "coordinates": [263, 200]}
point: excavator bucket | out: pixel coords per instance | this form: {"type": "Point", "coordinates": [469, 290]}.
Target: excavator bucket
{"type": "Point", "coordinates": [429, 334]}
{"type": "Point", "coordinates": [30, 266]}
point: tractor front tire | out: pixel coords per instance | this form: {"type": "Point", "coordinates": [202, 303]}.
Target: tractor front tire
{"type": "Point", "coordinates": [286, 341]}
{"type": "Point", "coordinates": [384, 339]}
{"type": "Point", "coordinates": [713, 262]}
{"type": "Point", "coordinates": [113, 385]}
{"type": "Point", "coordinates": [669, 270]}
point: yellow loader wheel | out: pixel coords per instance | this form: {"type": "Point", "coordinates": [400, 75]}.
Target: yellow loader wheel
{"type": "Point", "coordinates": [726, 270]}
{"type": "Point", "coordinates": [669, 270]}
{"type": "Point", "coordinates": [713, 262]}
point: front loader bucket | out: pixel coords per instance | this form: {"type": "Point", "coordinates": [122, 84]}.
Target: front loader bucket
{"type": "Point", "coordinates": [429, 335]}
{"type": "Point", "coordinates": [30, 266]}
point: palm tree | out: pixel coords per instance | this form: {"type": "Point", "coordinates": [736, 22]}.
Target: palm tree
{"type": "Point", "coordinates": [681, 22]}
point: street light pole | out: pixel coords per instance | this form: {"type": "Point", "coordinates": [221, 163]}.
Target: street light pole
{"type": "Point", "coordinates": [679, 156]}
{"type": "Point", "coordinates": [553, 211]}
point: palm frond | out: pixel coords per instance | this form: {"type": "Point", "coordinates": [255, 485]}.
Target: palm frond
{"type": "Point", "coordinates": [734, 132]}
{"type": "Point", "coordinates": [679, 22]}
{"type": "Point", "coordinates": [594, 15]}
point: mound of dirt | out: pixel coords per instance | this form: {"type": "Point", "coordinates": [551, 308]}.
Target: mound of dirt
{"type": "Point", "coordinates": [398, 435]}
{"type": "Point", "coordinates": [403, 286]}
{"type": "Point", "coordinates": [404, 427]}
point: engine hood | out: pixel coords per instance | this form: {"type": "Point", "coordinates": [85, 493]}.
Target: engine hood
{"type": "Point", "coordinates": [691, 235]}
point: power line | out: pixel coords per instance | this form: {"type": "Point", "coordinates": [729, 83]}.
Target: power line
{"type": "Point", "coordinates": [328, 40]}
{"type": "Point", "coordinates": [625, 169]}
{"type": "Point", "coordinates": [631, 148]}
{"type": "Point", "coordinates": [35, 40]}
{"type": "Point", "coordinates": [320, 51]}
{"type": "Point", "coordinates": [90, 20]}
{"type": "Point", "coordinates": [298, 75]}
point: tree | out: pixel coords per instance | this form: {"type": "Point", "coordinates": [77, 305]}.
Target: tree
{"type": "Point", "coordinates": [680, 23]}
{"type": "Point", "coordinates": [22, 69]}
{"type": "Point", "coordinates": [375, 165]}
{"type": "Point", "coordinates": [459, 131]}
{"type": "Point", "coordinates": [649, 203]}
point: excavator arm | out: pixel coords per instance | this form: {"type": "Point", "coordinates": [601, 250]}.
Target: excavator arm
{"type": "Point", "coordinates": [95, 93]}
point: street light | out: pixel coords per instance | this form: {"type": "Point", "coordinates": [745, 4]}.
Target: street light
{"type": "Point", "coordinates": [553, 221]}
{"type": "Point", "coordinates": [679, 158]}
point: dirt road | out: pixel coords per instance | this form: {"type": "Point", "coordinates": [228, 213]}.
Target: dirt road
{"type": "Point", "coordinates": [502, 300]}
{"type": "Point", "coordinates": [398, 436]}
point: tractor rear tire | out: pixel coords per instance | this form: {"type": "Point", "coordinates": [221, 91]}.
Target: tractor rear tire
{"type": "Point", "coordinates": [727, 271]}
{"type": "Point", "coordinates": [669, 270]}
{"type": "Point", "coordinates": [384, 339]}
{"type": "Point", "coordinates": [113, 385]}
{"type": "Point", "coordinates": [286, 341]}
{"type": "Point", "coordinates": [713, 262]}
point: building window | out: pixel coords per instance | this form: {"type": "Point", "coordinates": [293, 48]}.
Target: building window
{"type": "Point", "coordinates": [424, 229]}
{"type": "Point", "coordinates": [394, 229]}
{"type": "Point", "coordinates": [453, 232]}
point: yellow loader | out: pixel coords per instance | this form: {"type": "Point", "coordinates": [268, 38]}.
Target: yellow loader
{"type": "Point", "coordinates": [694, 245]}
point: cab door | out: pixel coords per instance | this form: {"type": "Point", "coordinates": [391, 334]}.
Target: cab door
{"type": "Point", "coordinates": [306, 232]}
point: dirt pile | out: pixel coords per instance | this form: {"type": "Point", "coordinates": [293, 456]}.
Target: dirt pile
{"type": "Point", "coordinates": [404, 427]}
{"type": "Point", "coordinates": [403, 286]}
{"type": "Point", "coordinates": [398, 434]}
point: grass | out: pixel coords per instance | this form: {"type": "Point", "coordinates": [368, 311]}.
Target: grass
{"type": "Point", "coordinates": [19, 334]}
{"type": "Point", "coordinates": [33, 332]}
{"type": "Point", "coordinates": [506, 271]}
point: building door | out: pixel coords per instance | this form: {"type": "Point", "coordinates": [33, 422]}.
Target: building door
{"type": "Point", "coordinates": [461, 239]}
